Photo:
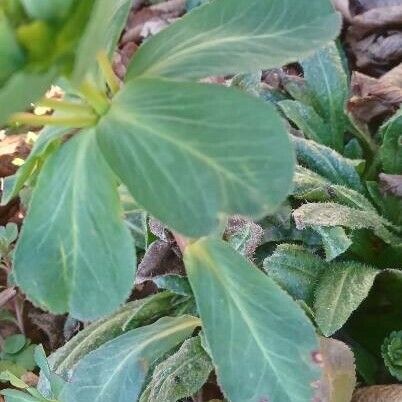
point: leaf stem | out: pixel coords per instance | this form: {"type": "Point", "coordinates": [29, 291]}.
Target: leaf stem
{"type": "Point", "coordinates": [107, 71]}
{"type": "Point", "coordinates": [76, 121]}
{"type": "Point", "coordinates": [96, 98]}
{"type": "Point", "coordinates": [64, 106]}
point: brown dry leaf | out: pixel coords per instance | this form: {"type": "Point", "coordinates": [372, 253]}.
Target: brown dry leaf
{"type": "Point", "coordinates": [379, 393]}
{"type": "Point", "coordinates": [30, 379]}
{"type": "Point", "coordinates": [374, 98]}
{"type": "Point", "coordinates": [6, 295]}
{"type": "Point", "coordinates": [339, 376]}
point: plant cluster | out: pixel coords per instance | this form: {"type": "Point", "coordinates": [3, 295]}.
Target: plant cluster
{"type": "Point", "coordinates": [254, 300]}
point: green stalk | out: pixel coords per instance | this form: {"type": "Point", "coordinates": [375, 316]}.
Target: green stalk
{"type": "Point", "coordinates": [96, 98]}
{"type": "Point", "coordinates": [110, 77]}
{"type": "Point", "coordinates": [75, 121]}
{"type": "Point", "coordinates": [64, 106]}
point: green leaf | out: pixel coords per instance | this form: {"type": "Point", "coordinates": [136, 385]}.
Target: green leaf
{"type": "Point", "coordinates": [71, 269]}
{"type": "Point", "coordinates": [7, 365]}
{"type": "Point", "coordinates": [332, 214]}
{"type": "Point", "coordinates": [307, 120]}
{"type": "Point", "coordinates": [22, 89]}
{"type": "Point", "coordinates": [181, 375]}
{"type": "Point", "coordinates": [14, 343]}
{"type": "Point", "coordinates": [341, 289]}
{"type": "Point", "coordinates": [228, 37]}
{"type": "Point", "coordinates": [201, 155]}
{"type": "Point", "coordinates": [392, 354]}
{"type": "Point", "coordinates": [391, 149]}
{"type": "Point", "coordinates": [328, 82]}
{"type": "Point", "coordinates": [328, 163]}
{"type": "Point", "coordinates": [121, 375]}
{"type": "Point", "coordinates": [103, 29]}
{"type": "Point", "coordinates": [48, 142]}
{"type": "Point", "coordinates": [335, 241]}
{"type": "Point", "coordinates": [295, 269]}
{"type": "Point", "coordinates": [13, 395]}
{"type": "Point", "coordinates": [254, 330]}
{"type": "Point", "coordinates": [175, 283]}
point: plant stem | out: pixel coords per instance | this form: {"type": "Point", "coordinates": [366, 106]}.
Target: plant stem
{"type": "Point", "coordinates": [108, 73]}
{"type": "Point", "coordinates": [64, 106]}
{"type": "Point", "coordinates": [96, 98]}
{"type": "Point", "coordinates": [76, 121]}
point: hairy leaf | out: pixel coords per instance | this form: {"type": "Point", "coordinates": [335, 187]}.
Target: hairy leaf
{"type": "Point", "coordinates": [341, 289]}
{"type": "Point", "coordinates": [242, 36]}
{"type": "Point", "coordinates": [307, 120]}
{"type": "Point", "coordinates": [179, 376]}
{"type": "Point", "coordinates": [332, 214]}
{"type": "Point", "coordinates": [392, 354]}
{"type": "Point", "coordinates": [328, 163]}
{"type": "Point", "coordinates": [254, 331]}
{"type": "Point", "coordinates": [391, 149]}
{"type": "Point", "coordinates": [334, 240]}
{"type": "Point", "coordinates": [117, 370]}
{"type": "Point", "coordinates": [328, 83]}
{"type": "Point", "coordinates": [83, 259]}
{"type": "Point", "coordinates": [202, 156]}
{"type": "Point", "coordinates": [296, 269]}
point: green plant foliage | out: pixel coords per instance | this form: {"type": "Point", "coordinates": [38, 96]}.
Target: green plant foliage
{"type": "Point", "coordinates": [391, 149]}
{"type": "Point", "coordinates": [334, 240]}
{"type": "Point", "coordinates": [226, 37]}
{"type": "Point", "coordinates": [58, 272]}
{"type": "Point", "coordinates": [216, 169]}
{"type": "Point", "coordinates": [341, 289]}
{"type": "Point", "coordinates": [246, 331]}
{"type": "Point", "coordinates": [179, 376]}
{"type": "Point", "coordinates": [117, 369]}
{"type": "Point", "coordinates": [296, 269]}
{"type": "Point", "coordinates": [392, 354]}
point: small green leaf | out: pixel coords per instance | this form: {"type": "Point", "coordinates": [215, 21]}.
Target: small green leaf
{"type": "Point", "coordinates": [307, 120]}
{"type": "Point", "coordinates": [254, 330]}
{"type": "Point", "coordinates": [295, 269]}
{"type": "Point", "coordinates": [341, 289]}
{"type": "Point", "coordinates": [327, 80]}
{"type": "Point", "coordinates": [181, 375]}
{"type": "Point", "coordinates": [121, 375]}
{"type": "Point", "coordinates": [47, 10]}
{"type": "Point", "coordinates": [334, 240]}
{"type": "Point", "coordinates": [174, 283]}
{"type": "Point", "coordinates": [70, 268]}
{"type": "Point", "coordinates": [13, 395]}
{"type": "Point", "coordinates": [392, 354]}
{"type": "Point", "coordinates": [203, 156]}
{"type": "Point", "coordinates": [228, 37]}
{"type": "Point", "coordinates": [391, 149]}
{"type": "Point", "coordinates": [327, 163]}
{"type": "Point", "coordinates": [14, 343]}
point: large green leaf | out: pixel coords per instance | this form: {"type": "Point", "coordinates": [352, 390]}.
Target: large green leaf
{"type": "Point", "coordinates": [186, 159]}
{"type": "Point", "coordinates": [258, 337]}
{"type": "Point", "coordinates": [181, 375]}
{"type": "Point", "coordinates": [327, 80]}
{"type": "Point", "coordinates": [228, 37]}
{"type": "Point", "coordinates": [83, 258]}
{"type": "Point", "coordinates": [342, 287]}
{"type": "Point", "coordinates": [102, 32]}
{"type": "Point", "coordinates": [117, 370]}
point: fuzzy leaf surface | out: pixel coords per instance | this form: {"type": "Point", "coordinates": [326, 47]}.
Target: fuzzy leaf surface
{"type": "Point", "coordinates": [391, 149]}
{"type": "Point", "coordinates": [170, 145]}
{"type": "Point", "coordinates": [253, 330]}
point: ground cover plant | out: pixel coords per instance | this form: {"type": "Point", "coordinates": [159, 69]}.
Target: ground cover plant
{"type": "Point", "coordinates": [202, 242]}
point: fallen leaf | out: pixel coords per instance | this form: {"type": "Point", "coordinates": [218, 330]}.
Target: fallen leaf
{"type": "Point", "coordinates": [391, 183]}
{"type": "Point", "coordinates": [378, 393]}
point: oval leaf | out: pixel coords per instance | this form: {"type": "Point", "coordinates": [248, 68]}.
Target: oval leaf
{"type": "Point", "coordinates": [83, 258]}
{"type": "Point", "coordinates": [228, 37]}
{"type": "Point", "coordinates": [259, 339]}
{"type": "Point", "coordinates": [171, 146]}
{"type": "Point", "coordinates": [117, 370]}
